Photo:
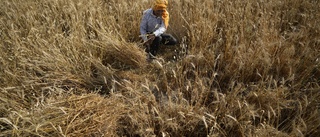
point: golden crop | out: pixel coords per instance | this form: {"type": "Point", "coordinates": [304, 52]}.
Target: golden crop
{"type": "Point", "coordinates": [78, 68]}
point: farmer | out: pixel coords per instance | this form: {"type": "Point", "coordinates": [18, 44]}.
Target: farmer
{"type": "Point", "coordinates": [154, 23]}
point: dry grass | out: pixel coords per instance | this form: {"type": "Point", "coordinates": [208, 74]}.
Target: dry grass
{"type": "Point", "coordinates": [77, 68]}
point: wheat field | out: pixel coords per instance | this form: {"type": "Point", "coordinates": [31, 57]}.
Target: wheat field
{"type": "Point", "coordinates": [241, 69]}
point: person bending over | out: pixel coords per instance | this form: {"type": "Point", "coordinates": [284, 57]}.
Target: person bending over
{"type": "Point", "coordinates": [153, 26]}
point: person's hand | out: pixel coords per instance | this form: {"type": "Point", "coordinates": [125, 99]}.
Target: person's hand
{"type": "Point", "coordinates": [150, 40]}
{"type": "Point", "coordinates": [151, 37]}
{"type": "Point", "coordinates": [147, 44]}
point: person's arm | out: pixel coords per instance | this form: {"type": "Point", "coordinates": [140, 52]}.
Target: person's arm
{"type": "Point", "coordinates": [160, 30]}
{"type": "Point", "coordinates": [143, 27]}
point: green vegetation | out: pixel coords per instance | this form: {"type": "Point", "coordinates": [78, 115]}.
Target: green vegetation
{"type": "Point", "coordinates": [78, 68]}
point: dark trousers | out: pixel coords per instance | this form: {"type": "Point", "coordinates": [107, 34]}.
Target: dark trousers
{"type": "Point", "coordinates": [165, 39]}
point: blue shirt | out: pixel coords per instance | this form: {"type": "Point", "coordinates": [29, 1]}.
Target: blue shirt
{"type": "Point", "coordinates": [150, 23]}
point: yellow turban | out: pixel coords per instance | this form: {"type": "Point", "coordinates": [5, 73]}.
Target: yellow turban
{"type": "Point", "coordinates": [162, 5]}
